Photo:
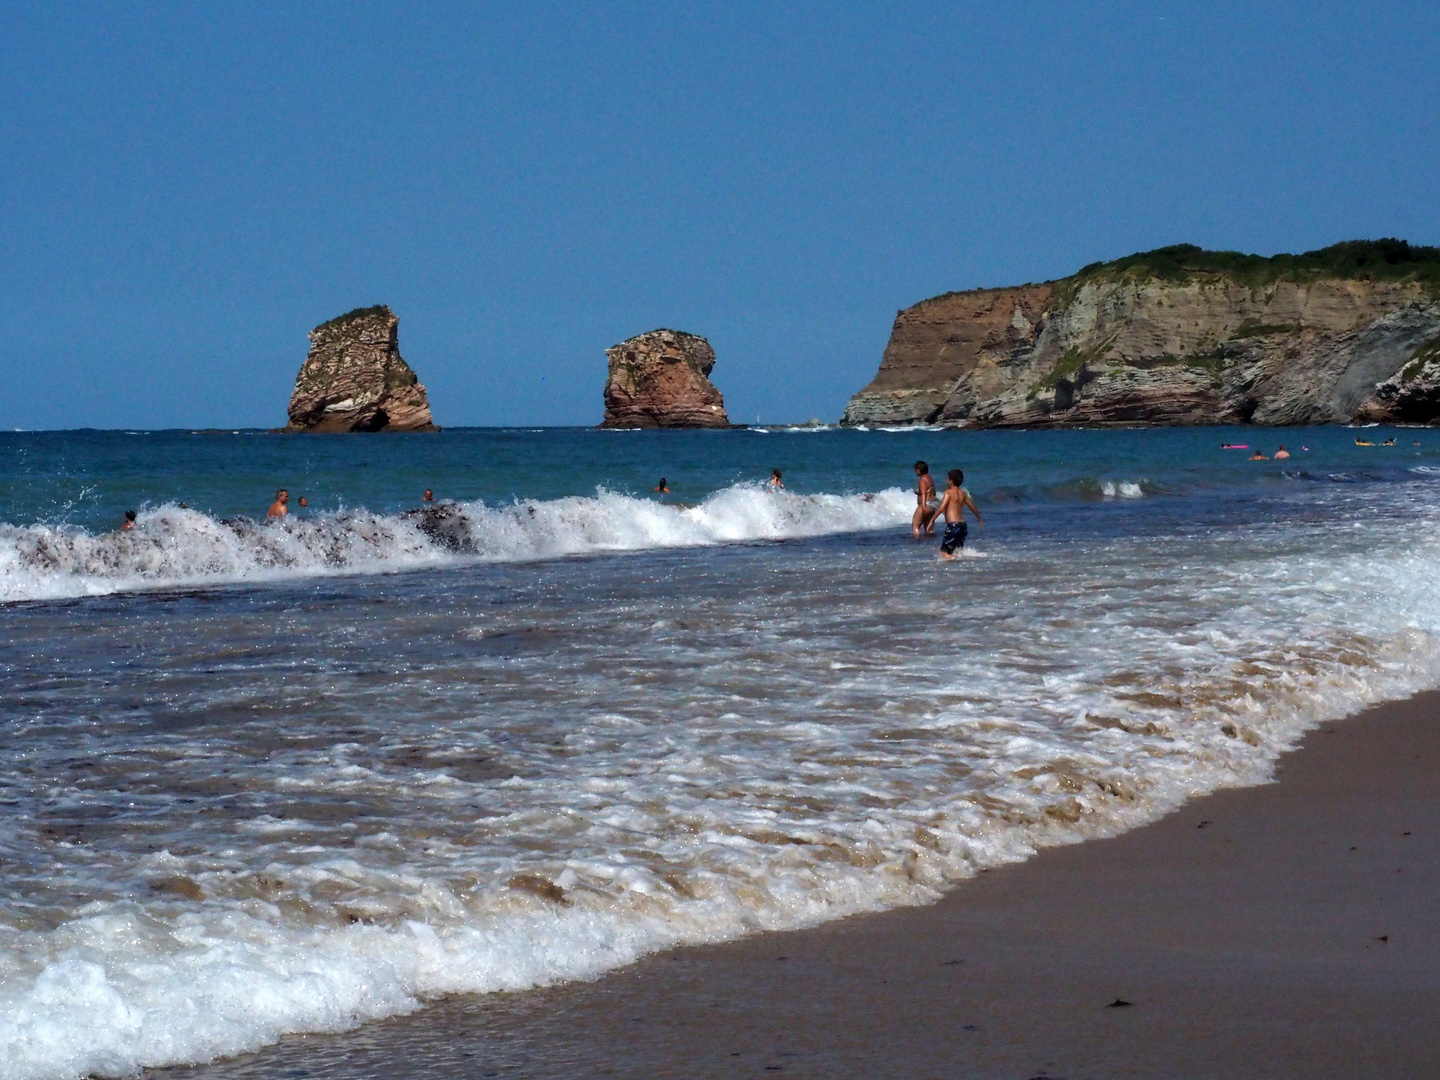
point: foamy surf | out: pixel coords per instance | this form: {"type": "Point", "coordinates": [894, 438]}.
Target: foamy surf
{"type": "Point", "coordinates": [232, 814]}
{"type": "Point", "coordinates": [1121, 489]}
{"type": "Point", "coordinates": [171, 546]}
{"type": "Point", "coordinates": [134, 985]}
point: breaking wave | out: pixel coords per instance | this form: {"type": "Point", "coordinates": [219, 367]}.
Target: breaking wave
{"type": "Point", "coordinates": [1124, 489]}
{"type": "Point", "coordinates": [173, 546]}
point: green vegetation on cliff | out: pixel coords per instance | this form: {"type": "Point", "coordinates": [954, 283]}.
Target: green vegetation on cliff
{"type": "Point", "coordinates": [1427, 353]}
{"type": "Point", "coordinates": [1365, 260]}
{"type": "Point", "coordinates": [1355, 260]}
{"type": "Point", "coordinates": [1071, 362]}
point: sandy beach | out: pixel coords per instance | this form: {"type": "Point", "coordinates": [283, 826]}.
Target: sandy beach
{"type": "Point", "coordinates": [1288, 930]}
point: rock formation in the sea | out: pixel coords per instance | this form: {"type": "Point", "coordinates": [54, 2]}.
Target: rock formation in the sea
{"type": "Point", "coordinates": [355, 380]}
{"type": "Point", "coordinates": [1176, 336]}
{"type": "Point", "coordinates": [661, 380]}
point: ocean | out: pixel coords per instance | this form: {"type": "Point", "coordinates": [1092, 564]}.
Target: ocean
{"type": "Point", "coordinates": [290, 777]}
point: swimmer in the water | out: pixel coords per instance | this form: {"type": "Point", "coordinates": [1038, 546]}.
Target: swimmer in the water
{"type": "Point", "coordinates": [926, 504]}
{"type": "Point", "coordinates": [129, 521]}
{"type": "Point", "coordinates": [1281, 454]}
{"type": "Point", "coordinates": [278, 509]}
{"type": "Point", "coordinates": [775, 479]}
{"type": "Point", "coordinates": [953, 507]}
{"type": "Point", "coordinates": [1257, 456]}
{"type": "Point", "coordinates": [662, 487]}
{"type": "Point", "coordinates": [304, 502]}
{"type": "Point", "coordinates": [429, 496]}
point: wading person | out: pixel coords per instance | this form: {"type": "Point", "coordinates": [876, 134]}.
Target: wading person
{"type": "Point", "coordinates": [925, 502]}
{"type": "Point", "coordinates": [953, 507]}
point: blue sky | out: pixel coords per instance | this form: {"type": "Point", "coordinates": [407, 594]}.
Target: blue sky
{"type": "Point", "coordinates": [185, 190]}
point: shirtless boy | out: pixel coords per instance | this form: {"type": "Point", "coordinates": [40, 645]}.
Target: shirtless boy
{"type": "Point", "coordinates": [278, 509]}
{"type": "Point", "coordinates": [925, 502]}
{"type": "Point", "coordinates": [953, 507]}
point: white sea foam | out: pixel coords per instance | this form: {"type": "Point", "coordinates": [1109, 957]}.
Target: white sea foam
{"type": "Point", "coordinates": [124, 987]}
{"type": "Point", "coordinates": [767, 753]}
{"type": "Point", "coordinates": [1124, 489]}
{"type": "Point", "coordinates": [174, 546]}
{"type": "Point", "coordinates": [905, 429]}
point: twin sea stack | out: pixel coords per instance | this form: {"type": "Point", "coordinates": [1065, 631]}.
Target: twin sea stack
{"type": "Point", "coordinates": [1350, 333]}
{"type": "Point", "coordinates": [661, 380]}
{"type": "Point", "coordinates": [355, 380]}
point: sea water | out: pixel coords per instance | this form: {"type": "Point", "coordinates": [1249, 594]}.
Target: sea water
{"type": "Point", "coordinates": [267, 778]}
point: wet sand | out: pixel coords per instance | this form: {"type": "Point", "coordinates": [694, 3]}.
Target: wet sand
{"type": "Point", "coordinates": [1290, 930]}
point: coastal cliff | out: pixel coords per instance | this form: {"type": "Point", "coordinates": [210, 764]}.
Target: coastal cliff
{"type": "Point", "coordinates": [354, 378]}
{"type": "Point", "coordinates": [661, 380]}
{"type": "Point", "coordinates": [1176, 336]}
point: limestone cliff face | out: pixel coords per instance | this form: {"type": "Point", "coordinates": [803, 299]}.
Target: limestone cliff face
{"type": "Point", "coordinates": [355, 380]}
{"type": "Point", "coordinates": [1197, 346]}
{"type": "Point", "coordinates": [661, 380]}
{"type": "Point", "coordinates": [1411, 395]}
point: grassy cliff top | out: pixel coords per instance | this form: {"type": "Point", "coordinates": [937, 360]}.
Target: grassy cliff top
{"type": "Point", "coordinates": [1363, 260]}
{"type": "Point", "coordinates": [1366, 260]}
{"type": "Point", "coordinates": [357, 313]}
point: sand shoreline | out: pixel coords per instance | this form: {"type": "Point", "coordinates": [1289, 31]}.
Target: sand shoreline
{"type": "Point", "coordinates": [1288, 930]}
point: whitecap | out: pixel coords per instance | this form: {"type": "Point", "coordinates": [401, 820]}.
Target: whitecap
{"type": "Point", "coordinates": [174, 546]}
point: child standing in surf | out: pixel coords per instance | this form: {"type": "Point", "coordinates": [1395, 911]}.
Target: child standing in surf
{"type": "Point", "coordinates": [953, 505]}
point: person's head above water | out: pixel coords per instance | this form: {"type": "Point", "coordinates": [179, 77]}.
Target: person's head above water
{"type": "Point", "coordinates": [429, 495]}
{"type": "Point", "coordinates": [283, 495]}
{"type": "Point", "coordinates": [774, 474]}
{"type": "Point", "coordinates": [955, 476]}
{"type": "Point", "coordinates": [921, 468]}
{"type": "Point", "coordinates": [129, 520]}
{"type": "Point", "coordinates": [304, 501]}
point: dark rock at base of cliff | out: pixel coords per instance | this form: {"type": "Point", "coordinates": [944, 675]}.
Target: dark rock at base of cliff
{"type": "Point", "coordinates": [661, 380]}
{"type": "Point", "coordinates": [1411, 395]}
{"type": "Point", "coordinates": [355, 380]}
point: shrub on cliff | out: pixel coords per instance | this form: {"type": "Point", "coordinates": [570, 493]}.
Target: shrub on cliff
{"type": "Point", "coordinates": [1369, 260]}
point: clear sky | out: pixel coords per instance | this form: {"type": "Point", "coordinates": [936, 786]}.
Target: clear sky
{"type": "Point", "coordinates": [186, 189]}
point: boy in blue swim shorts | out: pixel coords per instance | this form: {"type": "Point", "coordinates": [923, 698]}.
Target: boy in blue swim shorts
{"type": "Point", "coordinates": [952, 506]}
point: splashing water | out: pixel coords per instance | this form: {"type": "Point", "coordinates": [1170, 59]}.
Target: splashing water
{"type": "Point", "coordinates": [173, 546]}
{"type": "Point", "coordinates": [323, 794]}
